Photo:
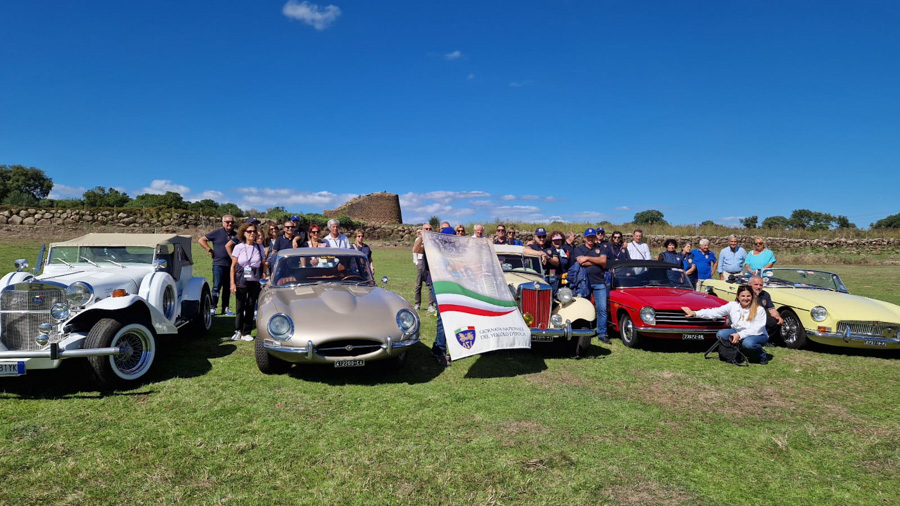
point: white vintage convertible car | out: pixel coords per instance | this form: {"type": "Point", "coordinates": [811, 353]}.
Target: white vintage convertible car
{"type": "Point", "coordinates": [104, 297]}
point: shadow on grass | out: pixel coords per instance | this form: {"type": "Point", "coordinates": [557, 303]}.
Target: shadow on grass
{"type": "Point", "coordinates": [510, 363]}
{"type": "Point", "coordinates": [177, 356]}
{"type": "Point", "coordinates": [419, 367]}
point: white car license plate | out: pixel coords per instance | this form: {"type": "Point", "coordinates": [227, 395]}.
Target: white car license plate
{"type": "Point", "coordinates": [541, 339]}
{"type": "Point", "coordinates": [12, 368]}
{"type": "Point", "coordinates": [868, 342]}
{"type": "Point", "coordinates": [692, 337]}
{"type": "Point", "coordinates": [349, 363]}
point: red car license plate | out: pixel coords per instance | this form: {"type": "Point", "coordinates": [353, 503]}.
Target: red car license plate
{"type": "Point", "coordinates": [692, 337]}
{"type": "Point", "coordinates": [349, 363]}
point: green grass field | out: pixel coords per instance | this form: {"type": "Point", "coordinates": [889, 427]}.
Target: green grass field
{"type": "Point", "coordinates": [659, 426]}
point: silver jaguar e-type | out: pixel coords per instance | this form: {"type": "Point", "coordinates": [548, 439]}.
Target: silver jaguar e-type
{"type": "Point", "coordinates": [321, 306]}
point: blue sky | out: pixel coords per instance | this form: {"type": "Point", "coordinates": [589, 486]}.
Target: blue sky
{"type": "Point", "coordinates": [529, 110]}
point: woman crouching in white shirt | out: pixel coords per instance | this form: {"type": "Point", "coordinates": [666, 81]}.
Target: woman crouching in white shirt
{"type": "Point", "coordinates": [748, 322]}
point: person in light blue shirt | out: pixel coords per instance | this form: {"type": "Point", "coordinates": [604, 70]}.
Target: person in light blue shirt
{"type": "Point", "coordinates": [760, 258]}
{"type": "Point", "coordinates": [731, 259]}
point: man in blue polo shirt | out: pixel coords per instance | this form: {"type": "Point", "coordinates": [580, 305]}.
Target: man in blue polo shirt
{"type": "Point", "coordinates": [221, 261]}
{"type": "Point", "coordinates": [731, 259]}
{"type": "Point", "coordinates": [549, 254]}
{"type": "Point", "coordinates": [592, 258]}
{"type": "Point", "coordinates": [705, 260]}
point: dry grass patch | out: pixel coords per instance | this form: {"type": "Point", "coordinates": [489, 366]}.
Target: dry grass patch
{"type": "Point", "coordinates": [648, 492]}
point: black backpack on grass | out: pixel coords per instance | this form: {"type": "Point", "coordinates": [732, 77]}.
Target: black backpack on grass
{"type": "Point", "coordinates": [731, 353]}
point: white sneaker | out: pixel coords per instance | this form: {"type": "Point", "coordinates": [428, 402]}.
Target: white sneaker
{"type": "Point", "coordinates": [247, 338]}
{"type": "Point", "coordinates": [236, 336]}
{"type": "Point", "coordinates": [416, 307]}
{"type": "Point", "coordinates": [431, 308]}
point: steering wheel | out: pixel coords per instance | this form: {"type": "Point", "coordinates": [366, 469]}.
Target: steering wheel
{"type": "Point", "coordinates": [352, 276]}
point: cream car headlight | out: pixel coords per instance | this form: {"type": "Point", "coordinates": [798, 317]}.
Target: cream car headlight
{"type": "Point", "coordinates": [79, 294]}
{"type": "Point", "coordinates": [59, 311]}
{"type": "Point", "coordinates": [564, 296]}
{"type": "Point", "coordinates": [557, 321]}
{"type": "Point", "coordinates": [648, 315]}
{"type": "Point", "coordinates": [818, 313]}
{"type": "Point", "coordinates": [408, 321]}
{"type": "Point", "coordinates": [280, 327]}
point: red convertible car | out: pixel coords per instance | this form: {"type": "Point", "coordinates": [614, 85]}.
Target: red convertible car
{"type": "Point", "coordinates": [645, 300]}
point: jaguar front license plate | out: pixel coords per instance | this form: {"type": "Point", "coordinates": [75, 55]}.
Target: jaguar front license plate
{"type": "Point", "coordinates": [12, 368]}
{"type": "Point", "coordinates": [350, 363]}
{"type": "Point", "coordinates": [693, 337]}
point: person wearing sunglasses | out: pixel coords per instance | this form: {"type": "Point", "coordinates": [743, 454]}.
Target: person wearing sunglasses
{"type": "Point", "coordinates": [501, 238]}
{"type": "Point", "coordinates": [248, 263]}
{"type": "Point", "coordinates": [460, 230]}
{"type": "Point", "coordinates": [759, 258]}
{"type": "Point", "coordinates": [221, 261]}
{"type": "Point", "coordinates": [315, 241]}
{"type": "Point", "coordinates": [549, 254]}
{"type": "Point", "coordinates": [362, 247]}
{"type": "Point", "coordinates": [511, 237]}
{"type": "Point", "coordinates": [617, 248]}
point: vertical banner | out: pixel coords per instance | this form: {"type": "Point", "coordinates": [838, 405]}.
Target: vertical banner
{"type": "Point", "coordinates": [478, 311]}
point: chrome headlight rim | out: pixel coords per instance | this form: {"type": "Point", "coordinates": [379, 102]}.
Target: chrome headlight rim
{"type": "Point", "coordinates": [60, 311]}
{"type": "Point", "coordinates": [280, 327]}
{"type": "Point", "coordinates": [819, 313]}
{"type": "Point", "coordinates": [557, 321]}
{"type": "Point", "coordinates": [407, 321]}
{"type": "Point", "coordinates": [648, 315]}
{"type": "Point", "coordinates": [79, 294]}
{"type": "Point", "coordinates": [565, 295]}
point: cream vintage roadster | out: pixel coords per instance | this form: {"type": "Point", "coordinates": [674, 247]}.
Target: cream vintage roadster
{"type": "Point", "coordinates": [322, 306]}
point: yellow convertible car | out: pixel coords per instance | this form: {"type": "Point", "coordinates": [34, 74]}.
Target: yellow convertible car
{"type": "Point", "coordinates": [816, 306]}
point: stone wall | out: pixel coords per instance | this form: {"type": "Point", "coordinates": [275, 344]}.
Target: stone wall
{"type": "Point", "coordinates": [372, 208]}
{"type": "Point", "coordinates": [104, 220]}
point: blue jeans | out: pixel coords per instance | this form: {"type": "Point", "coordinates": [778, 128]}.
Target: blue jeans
{"type": "Point", "coordinates": [752, 344]}
{"type": "Point", "coordinates": [600, 301]}
{"type": "Point", "coordinates": [440, 340]}
{"type": "Point", "coordinates": [221, 281]}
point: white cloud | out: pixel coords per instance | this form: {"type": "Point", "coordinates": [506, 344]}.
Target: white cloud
{"type": "Point", "coordinates": [529, 197]}
{"type": "Point", "coordinates": [455, 55]}
{"type": "Point", "coordinates": [483, 203]}
{"type": "Point", "coordinates": [623, 208]}
{"type": "Point", "coordinates": [61, 191]}
{"type": "Point", "coordinates": [208, 194]}
{"type": "Point", "coordinates": [161, 186]}
{"type": "Point", "coordinates": [507, 197]}
{"type": "Point", "coordinates": [732, 218]}
{"type": "Point", "coordinates": [517, 210]}
{"type": "Point", "coordinates": [269, 197]}
{"type": "Point", "coordinates": [589, 216]}
{"type": "Point", "coordinates": [313, 15]}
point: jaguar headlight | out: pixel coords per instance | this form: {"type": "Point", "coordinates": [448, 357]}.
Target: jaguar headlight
{"type": "Point", "coordinates": [557, 321]}
{"type": "Point", "coordinates": [79, 294]}
{"type": "Point", "coordinates": [59, 311]}
{"type": "Point", "coordinates": [648, 315]}
{"type": "Point", "coordinates": [280, 327]}
{"type": "Point", "coordinates": [818, 313]}
{"type": "Point", "coordinates": [564, 296]}
{"type": "Point", "coordinates": [408, 321]}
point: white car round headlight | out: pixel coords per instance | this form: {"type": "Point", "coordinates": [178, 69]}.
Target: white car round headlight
{"type": "Point", "coordinates": [79, 294]}
{"type": "Point", "coordinates": [557, 321]}
{"type": "Point", "coordinates": [564, 295]}
{"type": "Point", "coordinates": [818, 313]}
{"type": "Point", "coordinates": [648, 315]}
{"type": "Point", "coordinates": [408, 321]}
{"type": "Point", "coordinates": [280, 327]}
{"type": "Point", "coordinates": [59, 311]}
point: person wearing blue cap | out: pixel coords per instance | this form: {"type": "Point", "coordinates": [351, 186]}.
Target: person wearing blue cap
{"type": "Point", "coordinates": [549, 254]}
{"type": "Point", "coordinates": [592, 257]}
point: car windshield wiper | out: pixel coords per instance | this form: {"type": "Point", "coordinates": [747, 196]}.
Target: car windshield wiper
{"type": "Point", "coordinates": [112, 262]}
{"type": "Point", "coordinates": [86, 259]}
{"type": "Point", "coordinates": [60, 260]}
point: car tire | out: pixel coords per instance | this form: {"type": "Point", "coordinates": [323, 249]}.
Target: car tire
{"type": "Point", "coordinates": [266, 363]}
{"type": "Point", "coordinates": [792, 332]}
{"type": "Point", "coordinates": [136, 339]}
{"type": "Point", "coordinates": [627, 332]}
{"type": "Point", "coordinates": [201, 323]}
{"type": "Point", "coordinates": [582, 344]}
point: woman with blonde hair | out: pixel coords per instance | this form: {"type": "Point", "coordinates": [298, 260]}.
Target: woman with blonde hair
{"type": "Point", "coordinates": [748, 322]}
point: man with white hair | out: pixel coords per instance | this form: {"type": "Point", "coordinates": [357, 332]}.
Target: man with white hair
{"type": "Point", "coordinates": [704, 260]}
{"type": "Point", "coordinates": [731, 259]}
{"type": "Point", "coordinates": [479, 231]}
{"type": "Point", "coordinates": [336, 239]}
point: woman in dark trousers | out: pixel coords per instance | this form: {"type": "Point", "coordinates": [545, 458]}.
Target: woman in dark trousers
{"type": "Point", "coordinates": [248, 262]}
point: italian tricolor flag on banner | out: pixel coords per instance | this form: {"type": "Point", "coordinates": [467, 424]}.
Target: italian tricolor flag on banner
{"type": "Point", "coordinates": [477, 308]}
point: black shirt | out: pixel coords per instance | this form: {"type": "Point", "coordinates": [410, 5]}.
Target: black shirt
{"type": "Point", "coordinates": [219, 239]}
{"type": "Point", "coordinates": [596, 274]}
{"type": "Point", "coordinates": [552, 253]}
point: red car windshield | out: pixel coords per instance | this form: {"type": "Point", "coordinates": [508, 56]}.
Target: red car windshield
{"type": "Point", "coordinates": [638, 277]}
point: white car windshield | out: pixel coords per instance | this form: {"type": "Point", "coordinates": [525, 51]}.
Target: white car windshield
{"type": "Point", "coordinates": [101, 254]}
{"type": "Point", "coordinates": [802, 278]}
{"type": "Point", "coordinates": [300, 269]}
{"type": "Point", "coordinates": [521, 263]}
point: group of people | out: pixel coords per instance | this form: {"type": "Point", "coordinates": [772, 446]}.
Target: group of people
{"type": "Point", "coordinates": [243, 258]}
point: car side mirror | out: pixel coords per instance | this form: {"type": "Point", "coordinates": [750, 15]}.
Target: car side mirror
{"type": "Point", "coordinates": [160, 264]}
{"type": "Point", "coordinates": [384, 281]}
{"type": "Point", "coordinates": [710, 290]}
{"type": "Point", "coordinates": [21, 265]}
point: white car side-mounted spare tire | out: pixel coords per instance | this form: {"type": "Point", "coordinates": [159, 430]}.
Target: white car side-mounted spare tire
{"type": "Point", "coordinates": [159, 290]}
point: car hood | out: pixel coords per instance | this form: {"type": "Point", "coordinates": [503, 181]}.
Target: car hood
{"type": "Point", "coordinates": [331, 310]}
{"type": "Point", "coordinates": [103, 280]}
{"type": "Point", "coordinates": [665, 298]}
{"type": "Point", "coordinates": [848, 306]}
{"type": "Point", "coordinates": [517, 278]}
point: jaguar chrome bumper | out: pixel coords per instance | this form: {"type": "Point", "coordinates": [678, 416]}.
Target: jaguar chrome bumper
{"type": "Point", "coordinates": [849, 340]}
{"type": "Point", "coordinates": [309, 351]}
{"type": "Point", "coordinates": [566, 332]}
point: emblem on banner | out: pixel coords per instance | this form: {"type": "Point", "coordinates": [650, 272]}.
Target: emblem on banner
{"type": "Point", "coordinates": [466, 337]}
